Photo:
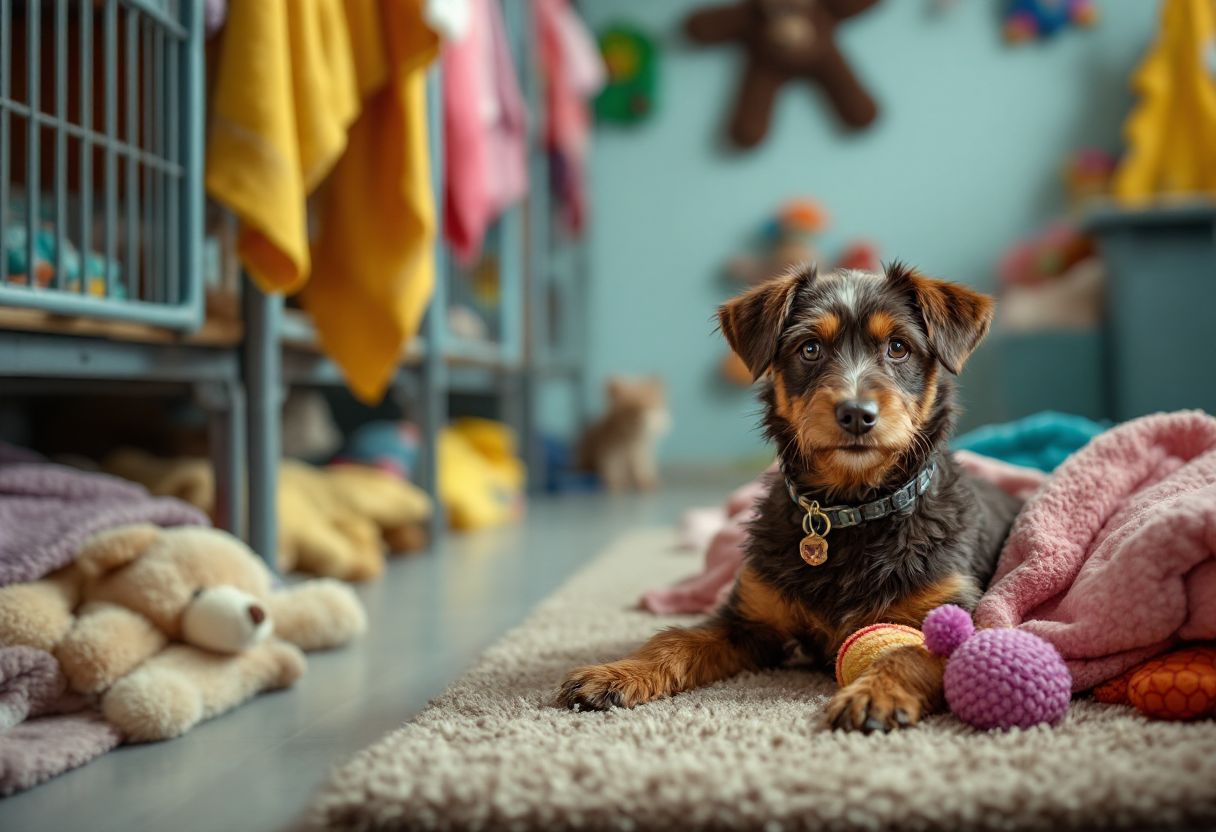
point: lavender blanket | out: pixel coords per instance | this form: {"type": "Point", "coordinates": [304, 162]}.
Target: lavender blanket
{"type": "Point", "coordinates": [44, 730]}
{"type": "Point", "coordinates": [47, 511]}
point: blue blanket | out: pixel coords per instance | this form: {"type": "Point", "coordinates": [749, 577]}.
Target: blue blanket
{"type": "Point", "coordinates": [1041, 441]}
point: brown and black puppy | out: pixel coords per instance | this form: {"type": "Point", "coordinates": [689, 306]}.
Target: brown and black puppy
{"type": "Point", "coordinates": [858, 408]}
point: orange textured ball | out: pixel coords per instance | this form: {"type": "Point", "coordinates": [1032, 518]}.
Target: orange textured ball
{"type": "Point", "coordinates": [1178, 685]}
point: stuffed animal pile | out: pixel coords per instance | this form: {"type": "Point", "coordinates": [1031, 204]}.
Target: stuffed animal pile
{"type": "Point", "coordinates": [336, 521]}
{"type": "Point", "coordinates": [169, 627]}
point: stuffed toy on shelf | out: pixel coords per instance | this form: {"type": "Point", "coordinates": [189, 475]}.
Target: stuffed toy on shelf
{"type": "Point", "coordinates": [786, 40]}
{"type": "Point", "coordinates": [169, 627]}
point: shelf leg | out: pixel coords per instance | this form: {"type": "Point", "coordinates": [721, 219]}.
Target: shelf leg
{"type": "Point", "coordinates": [263, 371]}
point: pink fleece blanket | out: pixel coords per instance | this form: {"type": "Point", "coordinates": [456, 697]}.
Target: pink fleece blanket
{"type": "Point", "coordinates": [1114, 560]}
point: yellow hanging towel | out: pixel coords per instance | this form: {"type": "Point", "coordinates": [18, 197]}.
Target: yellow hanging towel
{"type": "Point", "coordinates": [1171, 134]}
{"type": "Point", "coordinates": [310, 89]}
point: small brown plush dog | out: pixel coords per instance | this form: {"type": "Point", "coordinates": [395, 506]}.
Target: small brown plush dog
{"type": "Point", "coordinates": [872, 521]}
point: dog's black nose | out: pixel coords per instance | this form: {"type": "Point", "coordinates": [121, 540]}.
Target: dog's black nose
{"type": "Point", "coordinates": [857, 416]}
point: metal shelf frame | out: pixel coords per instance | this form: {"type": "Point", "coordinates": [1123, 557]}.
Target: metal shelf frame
{"type": "Point", "coordinates": [242, 386]}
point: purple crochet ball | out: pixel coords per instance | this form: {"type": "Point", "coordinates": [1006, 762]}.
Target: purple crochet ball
{"type": "Point", "coordinates": [998, 678]}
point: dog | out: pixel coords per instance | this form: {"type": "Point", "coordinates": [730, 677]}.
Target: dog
{"type": "Point", "coordinates": [871, 520]}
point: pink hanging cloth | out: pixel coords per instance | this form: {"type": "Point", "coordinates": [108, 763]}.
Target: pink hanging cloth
{"type": "Point", "coordinates": [574, 74]}
{"type": "Point", "coordinates": [485, 131]}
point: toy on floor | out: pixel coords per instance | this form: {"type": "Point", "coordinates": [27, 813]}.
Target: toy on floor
{"type": "Point", "coordinates": [336, 521]}
{"type": "Point", "coordinates": [186, 478]}
{"type": "Point", "coordinates": [1178, 685]}
{"type": "Point", "coordinates": [784, 41]}
{"type": "Point", "coordinates": [170, 627]}
{"type": "Point", "coordinates": [1169, 134]}
{"type": "Point", "coordinates": [861, 649]}
{"type": "Point", "coordinates": [1032, 19]}
{"type": "Point", "coordinates": [622, 446]}
{"type": "Point", "coordinates": [998, 678]}
{"type": "Point", "coordinates": [481, 478]}
{"type": "Point", "coordinates": [339, 521]}
{"type": "Point", "coordinates": [391, 446]}
{"type": "Point", "coordinates": [561, 474]}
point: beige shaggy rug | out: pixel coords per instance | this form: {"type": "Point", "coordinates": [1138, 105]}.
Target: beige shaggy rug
{"type": "Point", "coordinates": [494, 753]}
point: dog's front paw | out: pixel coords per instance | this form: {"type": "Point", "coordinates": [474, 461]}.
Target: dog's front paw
{"type": "Point", "coordinates": [603, 686]}
{"type": "Point", "coordinates": [875, 703]}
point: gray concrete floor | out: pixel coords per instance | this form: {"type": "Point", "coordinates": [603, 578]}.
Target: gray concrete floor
{"type": "Point", "coordinates": [252, 770]}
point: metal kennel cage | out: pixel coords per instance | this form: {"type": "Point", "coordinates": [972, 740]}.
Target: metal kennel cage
{"type": "Point", "coordinates": [101, 142]}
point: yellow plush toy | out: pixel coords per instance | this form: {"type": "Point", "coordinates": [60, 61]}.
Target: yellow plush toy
{"type": "Point", "coordinates": [1171, 134]}
{"type": "Point", "coordinates": [481, 479]}
{"type": "Point", "coordinates": [173, 626]}
{"type": "Point", "coordinates": [340, 521]}
{"type": "Point", "coordinates": [337, 522]}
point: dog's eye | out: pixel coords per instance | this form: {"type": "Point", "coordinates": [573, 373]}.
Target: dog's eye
{"type": "Point", "coordinates": [811, 351]}
{"type": "Point", "coordinates": [897, 350]}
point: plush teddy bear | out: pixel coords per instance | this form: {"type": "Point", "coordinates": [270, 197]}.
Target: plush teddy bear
{"type": "Point", "coordinates": [169, 627]}
{"type": "Point", "coordinates": [336, 521]}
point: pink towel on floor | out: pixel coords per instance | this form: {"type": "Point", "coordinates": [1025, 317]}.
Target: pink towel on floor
{"type": "Point", "coordinates": [485, 131]}
{"type": "Point", "coordinates": [1114, 560]}
{"type": "Point", "coordinates": [723, 557]}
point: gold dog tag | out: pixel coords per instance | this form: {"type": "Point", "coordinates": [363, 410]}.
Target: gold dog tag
{"type": "Point", "coordinates": [814, 547]}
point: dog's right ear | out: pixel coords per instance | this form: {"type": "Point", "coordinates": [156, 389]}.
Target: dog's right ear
{"type": "Point", "coordinates": [113, 548]}
{"type": "Point", "coordinates": [752, 322]}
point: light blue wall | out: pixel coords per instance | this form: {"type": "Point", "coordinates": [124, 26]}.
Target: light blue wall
{"type": "Point", "coordinates": [964, 158]}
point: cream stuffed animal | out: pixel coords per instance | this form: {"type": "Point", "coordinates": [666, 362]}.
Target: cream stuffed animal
{"type": "Point", "coordinates": [173, 626]}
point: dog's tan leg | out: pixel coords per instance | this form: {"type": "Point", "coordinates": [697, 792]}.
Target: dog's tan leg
{"type": "Point", "coordinates": [675, 660]}
{"type": "Point", "coordinates": [901, 686]}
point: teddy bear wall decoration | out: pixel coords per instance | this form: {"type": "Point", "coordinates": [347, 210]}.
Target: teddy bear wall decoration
{"type": "Point", "coordinates": [785, 40]}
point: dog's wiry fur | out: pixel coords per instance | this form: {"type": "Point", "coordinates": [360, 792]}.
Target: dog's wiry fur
{"type": "Point", "coordinates": [822, 340]}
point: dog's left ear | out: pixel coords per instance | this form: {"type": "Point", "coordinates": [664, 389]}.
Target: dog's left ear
{"type": "Point", "coordinates": [752, 322]}
{"type": "Point", "coordinates": [956, 318]}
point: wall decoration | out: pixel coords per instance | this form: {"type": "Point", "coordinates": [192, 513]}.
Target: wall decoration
{"type": "Point", "coordinates": [1027, 20]}
{"type": "Point", "coordinates": [786, 39]}
{"type": "Point", "coordinates": [631, 57]}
